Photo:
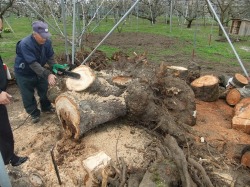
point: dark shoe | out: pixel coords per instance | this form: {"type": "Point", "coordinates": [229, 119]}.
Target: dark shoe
{"type": "Point", "coordinates": [51, 110]}
{"type": "Point", "coordinates": [19, 161]}
{"type": "Point", "coordinates": [35, 119]}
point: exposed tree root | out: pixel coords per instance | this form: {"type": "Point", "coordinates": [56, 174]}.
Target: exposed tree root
{"type": "Point", "coordinates": [180, 161]}
{"type": "Point", "coordinates": [205, 177]}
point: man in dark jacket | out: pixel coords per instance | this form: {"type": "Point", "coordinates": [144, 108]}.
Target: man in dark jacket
{"type": "Point", "coordinates": [32, 53]}
{"type": "Point", "coordinates": [6, 135]}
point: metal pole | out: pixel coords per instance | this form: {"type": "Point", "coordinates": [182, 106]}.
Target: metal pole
{"type": "Point", "coordinates": [73, 34]}
{"type": "Point", "coordinates": [228, 39]}
{"type": "Point", "coordinates": [116, 25]}
{"type": "Point", "coordinates": [4, 178]}
{"type": "Point", "coordinates": [64, 30]}
{"type": "Point", "coordinates": [171, 11]}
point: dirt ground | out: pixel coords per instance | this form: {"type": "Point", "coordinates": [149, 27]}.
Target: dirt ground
{"type": "Point", "coordinates": [118, 138]}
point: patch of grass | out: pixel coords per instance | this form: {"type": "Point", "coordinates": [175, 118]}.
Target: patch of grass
{"type": "Point", "coordinates": [196, 38]}
{"type": "Point", "coordinates": [108, 50]}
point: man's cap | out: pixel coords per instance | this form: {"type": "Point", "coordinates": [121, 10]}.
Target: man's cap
{"type": "Point", "coordinates": [41, 28]}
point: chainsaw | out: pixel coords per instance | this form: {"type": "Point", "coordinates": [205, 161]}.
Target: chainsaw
{"type": "Point", "coordinates": [65, 70]}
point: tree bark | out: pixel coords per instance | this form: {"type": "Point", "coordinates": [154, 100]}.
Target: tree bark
{"type": "Point", "coordinates": [239, 80]}
{"type": "Point", "coordinates": [236, 94]}
{"type": "Point", "coordinates": [206, 88]}
{"type": "Point", "coordinates": [80, 113]}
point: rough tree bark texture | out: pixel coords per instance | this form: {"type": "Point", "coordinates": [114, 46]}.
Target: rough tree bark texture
{"type": "Point", "coordinates": [236, 94]}
{"type": "Point", "coordinates": [149, 99]}
{"type": "Point", "coordinates": [206, 88]}
{"type": "Point", "coordinates": [81, 113]}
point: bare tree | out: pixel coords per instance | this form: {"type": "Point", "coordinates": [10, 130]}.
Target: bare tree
{"type": "Point", "coordinates": [150, 9]}
{"type": "Point", "coordinates": [228, 9]}
{"type": "Point", "coordinates": [4, 6]}
{"type": "Point", "coordinates": [189, 9]}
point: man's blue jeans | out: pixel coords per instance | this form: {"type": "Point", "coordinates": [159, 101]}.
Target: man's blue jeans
{"type": "Point", "coordinates": [27, 86]}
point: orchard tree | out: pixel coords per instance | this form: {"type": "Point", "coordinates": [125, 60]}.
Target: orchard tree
{"type": "Point", "coordinates": [189, 9]}
{"type": "Point", "coordinates": [150, 9]}
{"type": "Point", "coordinates": [4, 6]}
{"type": "Point", "coordinates": [228, 9]}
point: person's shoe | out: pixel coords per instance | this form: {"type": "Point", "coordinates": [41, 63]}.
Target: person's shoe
{"type": "Point", "coordinates": [18, 161]}
{"type": "Point", "coordinates": [35, 119]}
{"type": "Point", "coordinates": [51, 110]}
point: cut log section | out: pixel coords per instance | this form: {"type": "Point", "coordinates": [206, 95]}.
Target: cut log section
{"type": "Point", "coordinates": [87, 78]}
{"type": "Point", "coordinates": [241, 119]}
{"type": "Point", "coordinates": [236, 94]}
{"type": "Point", "coordinates": [239, 81]}
{"type": "Point", "coordinates": [206, 88]}
{"type": "Point", "coordinates": [80, 113]}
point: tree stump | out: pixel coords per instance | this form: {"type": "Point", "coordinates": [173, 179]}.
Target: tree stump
{"type": "Point", "coordinates": [175, 71]}
{"type": "Point", "coordinates": [79, 113]}
{"type": "Point", "coordinates": [178, 71]}
{"type": "Point", "coordinates": [236, 94]}
{"type": "Point", "coordinates": [206, 88]}
{"type": "Point", "coordinates": [241, 119]}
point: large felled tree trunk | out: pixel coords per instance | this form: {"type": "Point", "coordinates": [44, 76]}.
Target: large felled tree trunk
{"type": "Point", "coordinates": [80, 113]}
{"type": "Point", "coordinates": [146, 96]}
{"type": "Point", "coordinates": [91, 102]}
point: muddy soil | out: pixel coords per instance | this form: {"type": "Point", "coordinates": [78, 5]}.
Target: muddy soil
{"type": "Point", "coordinates": [120, 138]}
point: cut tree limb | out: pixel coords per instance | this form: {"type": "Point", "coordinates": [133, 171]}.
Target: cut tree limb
{"type": "Point", "coordinates": [236, 94]}
{"type": "Point", "coordinates": [239, 80]}
{"type": "Point", "coordinates": [206, 88]}
{"type": "Point", "coordinates": [80, 113]}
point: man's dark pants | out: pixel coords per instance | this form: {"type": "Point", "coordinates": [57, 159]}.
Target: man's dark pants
{"type": "Point", "coordinates": [6, 136]}
{"type": "Point", "coordinates": [27, 86]}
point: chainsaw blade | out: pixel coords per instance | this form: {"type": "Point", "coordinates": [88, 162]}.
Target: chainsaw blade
{"type": "Point", "coordinates": [72, 74]}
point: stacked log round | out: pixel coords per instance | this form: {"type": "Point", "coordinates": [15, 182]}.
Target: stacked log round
{"type": "Point", "coordinates": [239, 80]}
{"type": "Point", "coordinates": [206, 88]}
{"type": "Point", "coordinates": [235, 95]}
{"type": "Point", "coordinates": [241, 119]}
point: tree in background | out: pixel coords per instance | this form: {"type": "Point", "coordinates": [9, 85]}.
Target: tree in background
{"type": "Point", "coordinates": [4, 6]}
{"type": "Point", "coordinates": [228, 9]}
{"type": "Point", "coordinates": [150, 9]}
{"type": "Point", "coordinates": [189, 9]}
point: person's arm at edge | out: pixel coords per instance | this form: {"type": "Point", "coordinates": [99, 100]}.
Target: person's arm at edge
{"type": "Point", "coordinates": [42, 72]}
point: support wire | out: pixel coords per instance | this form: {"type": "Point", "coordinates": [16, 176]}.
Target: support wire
{"type": "Point", "coordinates": [125, 15]}
{"type": "Point", "coordinates": [228, 39]}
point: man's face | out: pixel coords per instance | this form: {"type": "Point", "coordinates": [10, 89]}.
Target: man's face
{"type": "Point", "coordinates": [39, 38]}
